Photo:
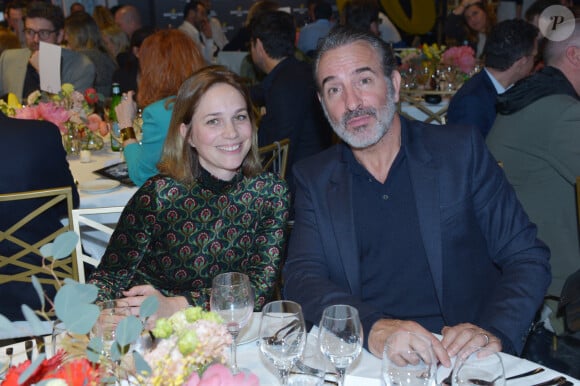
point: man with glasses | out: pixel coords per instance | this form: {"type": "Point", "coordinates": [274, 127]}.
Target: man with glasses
{"type": "Point", "coordinates": [19, 68]}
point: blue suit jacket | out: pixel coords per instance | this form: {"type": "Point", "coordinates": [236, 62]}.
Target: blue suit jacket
{"type": "Point", "coordinates": [474, 103]}
{"type": "Point", "coordinates": [486, 262]}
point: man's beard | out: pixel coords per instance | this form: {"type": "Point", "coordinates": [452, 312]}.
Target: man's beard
{"type": "Point", "coordinates": [365, 136]}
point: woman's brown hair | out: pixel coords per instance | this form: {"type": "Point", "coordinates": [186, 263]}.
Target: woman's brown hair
{"type": "Point", "coordinates": [179, 160]}
{"type": "Point", "coordinates": [166, 59]}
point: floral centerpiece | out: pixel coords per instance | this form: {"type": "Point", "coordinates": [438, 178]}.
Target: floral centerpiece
{"type": "Point", "coordinates": [72, 111]}
{"type": "Point", "coordinates": [188, 348]}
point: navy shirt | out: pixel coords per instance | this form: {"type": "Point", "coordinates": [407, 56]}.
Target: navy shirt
{"type": "Point", "coordinates": [388, 237]}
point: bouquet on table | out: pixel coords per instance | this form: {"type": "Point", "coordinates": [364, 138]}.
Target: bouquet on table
{"type": "Point", "coordinates": [188, 348]}
{"type": "Point", "coordinates": [72, 111]}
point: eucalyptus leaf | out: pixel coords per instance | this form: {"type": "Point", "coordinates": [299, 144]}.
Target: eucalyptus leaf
{"type": "Point", "coordinates": [31, 369]}
{"type": "Point", "coordinates": [95, 349]}
{"type": "Point", "coordinates": [115, 352]}
{"type": "Point", "coordinates": [39, 291]}
{"type": "Point", "coordinates": [64, 244]}
{"type": "Point", "coordinates": [72, 296]}
{"type": "Point", "coordinates": [149, 306]}
{"type": "Point", "coordinates": [141, 365]}
{"type": "Point", "coordinates": [35, 323]}
{"type": "Point", "coordinates": [46, 250]}
{"type": "Point", "coordinates": [6, 325]}
{"type": "Point", "coordinates": [68, 280]}
{"type": "Point", "coordinates": [82, 321]}
{"type": "Point", "coordinates": [128, 330]}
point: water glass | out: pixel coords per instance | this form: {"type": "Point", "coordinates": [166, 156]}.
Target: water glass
{"type": "Point", "coordinates": [408, 359]}
{"type": "Point", "coordinates": [112, 312]}
{"type": "Point", "coordinates": [340, 337]}
{"type": "Point", "coordinates": [481, 367]}
{"type": "Point", "coordinates": [310, 369]}
{"type": "Point", "coordinates": [232, 298]}
{"type": "Point", "coordinates": [282, 335]}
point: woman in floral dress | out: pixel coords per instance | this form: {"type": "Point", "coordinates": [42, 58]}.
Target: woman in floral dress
{"type": "Point", "coordinates": [210, 210]}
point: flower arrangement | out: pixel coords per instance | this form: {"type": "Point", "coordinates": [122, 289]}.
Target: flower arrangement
{"type": "Point", "coordinates": [461, 57]}
{"type": "Point", "coordinates": [70, 110]}
{"type": "Point", "coordinates": [188, 348]}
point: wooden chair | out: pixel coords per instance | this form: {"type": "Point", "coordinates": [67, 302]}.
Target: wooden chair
{"type": "Point", "coordinates": [429, 113]}
{"type": "Point", "coordinates": [64, 268]}
{"type": "Point", "coordinates": [275, 156]}
{"type": "Point", "coordinates": [96, 224]}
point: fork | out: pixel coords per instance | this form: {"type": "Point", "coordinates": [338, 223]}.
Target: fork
{"type": "Point", "coordinates": [286, 330]}
{"type": "Point", "coordinates": [537, 370]}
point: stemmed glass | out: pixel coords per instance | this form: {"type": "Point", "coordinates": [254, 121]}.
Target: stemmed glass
{"type": "Point", "coordinates": [232, 297]}
{"type": "Point", "coordinates": [282, 335]}
{"type": "Point", "coordinates": [481, 367]}
{"type": "Point", "coordinates": [408, 359]}
{"type": "Point", "coordinates": [340, 337]}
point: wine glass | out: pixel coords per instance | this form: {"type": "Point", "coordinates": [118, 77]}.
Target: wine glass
{"type": "Point", "coordinates": [232, 297]}
{"type": "Point", "coordinates": [282, 335]}
{"type": "Point", "coordinates": [481, 367]}
{"type": "Point", "coordinates": [340, 337]}
{"type": "Point", "coordinates": [111, 313]}
{"type": "Point", "coordinates": [408, 359]}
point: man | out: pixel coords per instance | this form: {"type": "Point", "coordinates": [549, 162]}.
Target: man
{"type": "Point", "coordinates": [535, 136]}
{"type": "Point", "coordinates": [197, 26]}
{"type": "Point", "coordinates": [34, 159]}
{"type": "Point", "coordinates": [19, 68]}
{"type": "Point", "coordinates": [77, 7]}
{"type": "Point", "coordinates": [217, 32]}
{"type": "Point", "coordinates": [14, 16]}
{"type": "Point", "coordinates": [128, 19]}
{"type": "Point", "coordinates": [509, 53]}
{"type": "Point", "coordinates": [415, 226]}
{"type": "Point", "coordinates": [319, 28]}
{"type": "Point", "coordinates": [287, 92]}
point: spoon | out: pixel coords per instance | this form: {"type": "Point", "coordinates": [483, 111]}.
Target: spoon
{"type": "Point", "coordinates": [537, 370]}
{"type": "Point", "coordinates": [482, 382]}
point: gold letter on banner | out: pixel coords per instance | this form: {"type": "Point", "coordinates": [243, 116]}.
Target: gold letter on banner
{"type": "Point", "coordinates": [422, 15]}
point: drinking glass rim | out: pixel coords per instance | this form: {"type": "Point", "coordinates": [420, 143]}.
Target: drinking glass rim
{"type": "Point", "coordinates": [353, 310]}
{"type": "Point", "coordinates": [244, 278]}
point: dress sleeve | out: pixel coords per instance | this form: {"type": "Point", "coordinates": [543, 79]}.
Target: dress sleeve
{"type": "Point", "coordinates": [127, 245]}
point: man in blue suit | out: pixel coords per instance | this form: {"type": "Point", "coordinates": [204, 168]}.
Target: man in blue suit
{"type": "Point", "coordinates": [415, 226]}
{"type": "Point", "coordinates": [509, 54]}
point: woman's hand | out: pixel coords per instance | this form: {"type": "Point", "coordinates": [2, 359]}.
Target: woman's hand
{"type": "Point", "coordinates": [167, 305]}
{"type": "Point", "coordinates": [126, 110]}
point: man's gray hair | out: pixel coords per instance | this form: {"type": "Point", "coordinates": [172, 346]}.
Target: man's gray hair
{"type": "Point", "coordinates": [554, 51]}
{"type": "Point", "coordinates": [341, 36]}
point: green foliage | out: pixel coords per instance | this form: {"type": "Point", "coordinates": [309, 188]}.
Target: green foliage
{"type": "Point", "coordinates": [62, 246]}
{"type": "Point", "coordinates": [73, 306]}
{"type": "Point", "coordinates": [31, 369]}
{"type": "Point", "coordinates": [149, 307]}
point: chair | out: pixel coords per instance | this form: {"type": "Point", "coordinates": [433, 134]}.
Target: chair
{"type": "Point", "coordinates": [64, 268]}
{"type": "Point", "coordinates": [96, 229]}
{"type": "Point", "coordinates": [275, 156]}
{"type": "Point", "coordinates": [412, 106]}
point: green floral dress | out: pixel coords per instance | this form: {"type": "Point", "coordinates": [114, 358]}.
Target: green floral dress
{"type": "Point", "coordinates": [178, 238]}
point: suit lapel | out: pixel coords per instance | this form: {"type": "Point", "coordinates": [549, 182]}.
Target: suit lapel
{"type": "Point", "coordinates": [423, 171]}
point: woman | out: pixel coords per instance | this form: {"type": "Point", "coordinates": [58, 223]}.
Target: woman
{"type": "Point", "coordinates": [210, 210]}
{"type": "Point", "coordinates": [115, 41]}
{"type": "Point", "coordinates": [166, 59]}
{"type": "Point", "coordinates": [83, 35]}
{"type": "Point", "coordinates": [469, 23]}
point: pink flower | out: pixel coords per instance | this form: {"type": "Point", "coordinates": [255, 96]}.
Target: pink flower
{"type": "Point", "coordinates": [55, 114]}
{"type": "Point", "coordinates": [220, 375]}
{"type": "Point", "coordinates": [95, 123]}
{"type": "Point", "coordinates": [462, 57]}
{"type": "Point", "coordinates": [29, 112]}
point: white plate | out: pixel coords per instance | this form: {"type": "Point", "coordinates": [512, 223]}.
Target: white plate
{"type": "Point", "coordinates": [99, 186]}
{"type": "Point", "coordinates": [251, 330]}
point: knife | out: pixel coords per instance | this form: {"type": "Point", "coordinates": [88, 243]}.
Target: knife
{"type": "Point", "coordinates": [553, 381]}
{"type": "Point", "coordinates": [528, 373]}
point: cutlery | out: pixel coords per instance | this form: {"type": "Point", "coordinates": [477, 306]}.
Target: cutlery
{"type": "Point", "coordinates": [554, 381]}
{"type": "Point", "coordinates": [284, 331]}
{"type": "Point", "coordinates": [537, 370]}
{"type": "Point", "coordinates": [481, 382]}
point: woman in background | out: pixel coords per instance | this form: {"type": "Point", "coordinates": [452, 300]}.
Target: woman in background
{"type": "Point", "coordinates": [166, 59]}
{"type": "Point", "coordinates": [469, 23]}
{"type": "Point", "coordinates": [210, 210]}
{"type": "Point", "coordinates": [115, 41]}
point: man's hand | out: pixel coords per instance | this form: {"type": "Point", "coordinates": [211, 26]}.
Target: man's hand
{"type": "Point", "coordinates": [167, 305]}
{"type": "Point", "coordinates": [465, 338]}
{"type": "Point", "coordinates": [384, 328]}
{"type": "Point", "coordinates": [34, 60]}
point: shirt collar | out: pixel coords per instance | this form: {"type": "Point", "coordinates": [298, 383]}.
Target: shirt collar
{"type": "Point", "coordinates": [498, 87]}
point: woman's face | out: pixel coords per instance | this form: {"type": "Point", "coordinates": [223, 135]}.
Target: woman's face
{"type": "Point", "coordinates": [221, 131]}
{"type": "Point", "coordinates": [475, 18]}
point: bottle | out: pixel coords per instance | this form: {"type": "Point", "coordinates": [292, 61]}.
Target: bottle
{"type": "Point", "coordinates": [115, 129]}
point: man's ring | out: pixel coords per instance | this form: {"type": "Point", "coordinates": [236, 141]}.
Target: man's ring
{"type": "Point", "coordinates": [486, 338]}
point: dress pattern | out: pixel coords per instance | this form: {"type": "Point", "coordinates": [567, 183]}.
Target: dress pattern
{"type": "Point", "coordinates": [178, 238]}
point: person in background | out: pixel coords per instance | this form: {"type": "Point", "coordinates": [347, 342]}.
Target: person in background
{"type": "Point", "coordinates": [362, 15]}
{"type": "Point", "coordinates": [34, 159]}
{"type": "Point", "coordinates": [115, 41]}
{"type": "Point", "coordinates": [82, 35]}
{"type": "Point", "coordinates": [103, 17]}
{"type": "Point", "coordinates": [166, 59]}
{"type": "Point", "coordinates": [19, 67]}
{"type": "Point", "coordinates": [318, 28]}
{"type": "Point", "coordinates": [469, 23]}
{"type": "Point", "coordinates": [14, 16]}
{"type": "Point", "coordinates": [217, 32]}
{"type": "Point", "coordinates": [174, 236]}
{"type": "Point", "coordinates": [415, 225]}
{"type": "Point", "coordinates": [241, 40]}
{"type": "Point", "coordinates": [128, 18]}
{"type": "Point", "coordinates": [536, 135]}
{"type": "Point", "coordinates": [76, 7]}
{"type": "Point", "coordinates": [128, 61]}
{"type": "Point", "coordinates": [388, 32]}
{"type": "Point", "coordinates": [8, 40]}
{"type": "Point", "coordinates": [287, 92]}
{"type": "Point", "coordinates": [510, 52]}
{"type": "Point", "coordinates": [197, 26]}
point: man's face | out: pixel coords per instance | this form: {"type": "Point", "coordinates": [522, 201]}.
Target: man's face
{"type": "Point", "coordinates": [357, 99]}
{"type": "Point", "coordinates": [200, 16]}
{"type": "Point", "coordinates": [39, 29]}
{"type": "Point", "coordinates": [14, 18]}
